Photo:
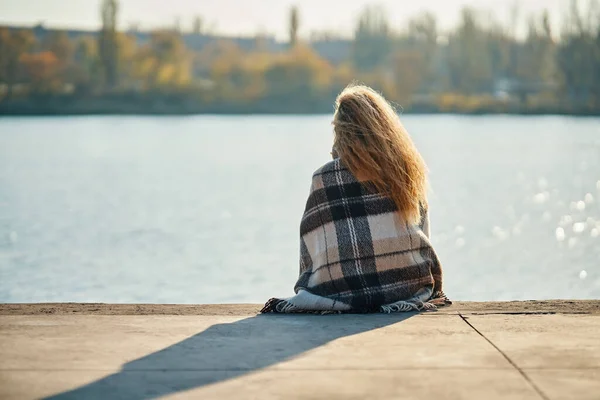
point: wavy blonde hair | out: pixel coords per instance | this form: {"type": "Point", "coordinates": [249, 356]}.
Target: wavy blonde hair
{"type": "Point", "coordinates": [372, 143]}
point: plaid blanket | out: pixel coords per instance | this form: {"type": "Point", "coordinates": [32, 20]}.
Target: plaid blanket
{"type": "Point", "coordinates": [357, 255]}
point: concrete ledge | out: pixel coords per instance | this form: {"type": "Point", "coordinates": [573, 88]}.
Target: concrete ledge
{"type": "Point", "coordinates": [542, 350]}
{"type": "Point", "coordinates": [463, 307]}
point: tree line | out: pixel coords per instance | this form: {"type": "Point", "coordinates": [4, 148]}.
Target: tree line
{"type": "Point", "coordinates": [479, 66]}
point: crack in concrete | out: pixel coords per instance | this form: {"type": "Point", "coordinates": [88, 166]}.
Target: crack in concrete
{"type": "Point", "coordinates": [511, 362]}
{"type": "Point", "coordinates": [519, 313]}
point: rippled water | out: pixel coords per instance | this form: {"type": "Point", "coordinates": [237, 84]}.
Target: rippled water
{"type": "Point", "coordinates": [206, 209]}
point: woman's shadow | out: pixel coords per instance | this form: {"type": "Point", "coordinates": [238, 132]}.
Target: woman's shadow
{"type": "Point", "coordinates": [226, 351]}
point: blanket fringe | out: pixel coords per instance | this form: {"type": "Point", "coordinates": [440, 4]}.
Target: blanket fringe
{"type": "Point", "coordinates": [280, 306]}
{"type": "Point", "coordinates": [285, 307]}
{"type": "Point", "coordinates": [270, 306]}
{"type": "Point", "coordinates": [406, 306]}
{"type": "Point", "coordinates": [413, 305]}
{"type": "Point", "coordinates": [398, 307]}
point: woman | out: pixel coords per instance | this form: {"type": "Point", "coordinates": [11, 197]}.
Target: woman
{"type": "Point", "coordinates": [364, 243]}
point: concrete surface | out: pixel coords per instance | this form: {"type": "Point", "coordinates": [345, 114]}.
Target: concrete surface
{"type": "Point", "coordinates": [501, 307]}
{"type": "Point", "coordinates": [528, 350]}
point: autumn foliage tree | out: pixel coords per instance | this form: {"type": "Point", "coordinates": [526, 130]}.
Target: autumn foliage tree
{"type": "Point", "coordinates": [480, 61]}
{"type": "Point", "coordinates": [42, 71]}
{"type": "Point", "coordinates": [13, 44]}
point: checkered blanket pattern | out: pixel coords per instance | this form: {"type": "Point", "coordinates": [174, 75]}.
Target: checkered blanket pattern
{"type": "Point", "coordinates": [356, 254]}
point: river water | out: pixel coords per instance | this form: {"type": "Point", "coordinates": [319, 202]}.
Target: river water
{"type": "Point", "coordinates": [206, 209]}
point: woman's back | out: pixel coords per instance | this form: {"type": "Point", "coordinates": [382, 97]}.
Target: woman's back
{"type": "Point", "coordinates": [356, 249]}
{"type": "Point", "coordinates": [364, 233]}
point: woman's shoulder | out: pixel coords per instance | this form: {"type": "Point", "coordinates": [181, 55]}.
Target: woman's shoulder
{"type": "Point", "coordinates": [332, 166]}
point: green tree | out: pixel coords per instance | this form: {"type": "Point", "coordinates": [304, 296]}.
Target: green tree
{"type": "Point", "coordinates": [177, 25]}
{"type": "Point", "coordinates": [87, 65]}
{"type": "Point", "coordinates": [128, 49]}
{"type": "Point", "coordinates": [107, 43]}
{"type": "Point", "coordinates": [534, 67]}
{"type": "Point", "coordinates": [578, 56]}
{"type": "Point", "coordinates": [372, 39]}
{"type": "Point", "coordinates": [499, 46]}
{"type": "Point", "coordinates": [294, 25]}
{"type": "Point", "coordinates": [197, 25]}
{"type": "Point", "coordinates": [415, 62]}
{"type": "Point", "coordinates": [469, 62]}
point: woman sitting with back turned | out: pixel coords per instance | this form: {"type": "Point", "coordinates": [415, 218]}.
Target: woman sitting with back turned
{"type": "Point", "coordinates": [364, 244]}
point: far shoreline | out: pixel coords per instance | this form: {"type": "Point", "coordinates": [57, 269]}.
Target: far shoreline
{"type": "Point", "coordinates": [175, 104]}
{"type": "Point", "coordinates": [226, 113]}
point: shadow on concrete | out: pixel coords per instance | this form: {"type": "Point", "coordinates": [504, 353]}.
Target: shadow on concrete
{"type": "Point", "coordinates": [226, 351]}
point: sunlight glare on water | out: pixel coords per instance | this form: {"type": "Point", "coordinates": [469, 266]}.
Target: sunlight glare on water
{"type": "Point", "coordinates": [560, 234]}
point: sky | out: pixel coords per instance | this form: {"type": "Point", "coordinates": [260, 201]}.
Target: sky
{"type": "Point", "coordinates": [248, 17]}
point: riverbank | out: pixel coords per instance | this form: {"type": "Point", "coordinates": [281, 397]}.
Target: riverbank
{"type": "Point", "coordinates": [193, 104]}
{"type": "Point", "coordinates": [524, 350]}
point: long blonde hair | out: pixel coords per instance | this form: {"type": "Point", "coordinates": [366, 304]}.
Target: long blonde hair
{"type": "Point", "coordinates": [371, 141]}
